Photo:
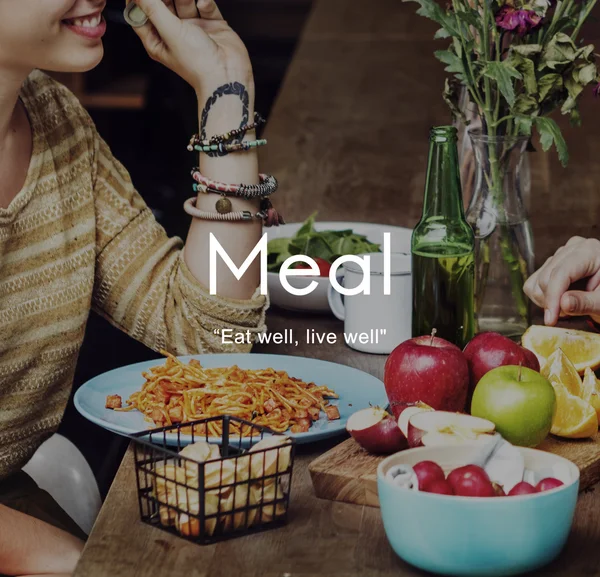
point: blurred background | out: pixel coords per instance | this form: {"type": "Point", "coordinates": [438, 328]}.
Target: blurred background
{"type": "Point", "coordinates": [147, 114]}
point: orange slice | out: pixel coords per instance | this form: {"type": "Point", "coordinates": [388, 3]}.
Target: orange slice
{"type": "Point", "coordinates": [574, 417]}
{"type": "Point", "coordinates": [559, 369]}
{"type": "Point", "coordinates": [581, 347]}
{"type": "Point", "coordinates": [591, 390]}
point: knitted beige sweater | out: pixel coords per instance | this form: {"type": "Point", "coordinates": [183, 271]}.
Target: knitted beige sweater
{"type": "Point", "coordinates": [78, 236]}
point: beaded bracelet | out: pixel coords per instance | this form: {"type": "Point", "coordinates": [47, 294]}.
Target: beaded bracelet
{"type": "Point", "coordinates": [267, 214]}
{"type": "Point", "coordinates": [230, 147]}
{"type": "Point", "coordinates": [196, 141]}
{"type": "Point", "coordinates": [268, 185]}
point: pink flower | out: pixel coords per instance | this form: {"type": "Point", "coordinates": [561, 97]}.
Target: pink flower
{"type": "Point", "coordinates": [597, 90]}
{"type": "Point", "coordinates": [523, 21]}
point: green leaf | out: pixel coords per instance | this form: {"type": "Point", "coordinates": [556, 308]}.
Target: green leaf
{"type": "Point", "coordinates": [441, 33]}
{"type": "Point", "coordinates": [550, 134]}
{"type": "Point", "coordinates": [432, 10]}
{"type": "Point", "coordinates": [527, 69]}
{"type": "Point", "coordinates": [524, 124]}
{"type": "Point", "coordinates": [503, 73]}
{"type": "Point", "coordinates": [587, 74]}
{"type": "Point", "coordinates": [548, 84]}
{"type": "Point", "coordinates": [575, 117]}
{"type": "Point", "coordinates": [471, 18]}
{"type": "Point", "coordinates": [527, 49]}
{"type": "Point", "coordinates": [453, 62]}
{"type": "Point", "coordinates": [526, 105]}
{"type": "Point", "coordinates": [308, 226]}
{"type": "Point", "coordinates": [559, 52]}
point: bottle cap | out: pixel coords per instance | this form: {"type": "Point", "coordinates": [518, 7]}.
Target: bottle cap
{"type": "Point", "coordinates": [134, 15]}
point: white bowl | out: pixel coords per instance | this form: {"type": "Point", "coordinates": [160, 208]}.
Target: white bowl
{"type": "Point", "coordinates": [316, 301]}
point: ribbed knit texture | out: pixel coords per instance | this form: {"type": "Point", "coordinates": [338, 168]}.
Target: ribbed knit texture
{"type": "Point", "coordinates": [78, 236]}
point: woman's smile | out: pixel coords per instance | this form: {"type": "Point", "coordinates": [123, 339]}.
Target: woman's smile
{"type": "Point", "coordinates": [90, 25]}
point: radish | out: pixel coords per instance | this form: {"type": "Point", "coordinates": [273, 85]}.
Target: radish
{"type": "Point", "coordinates": [471, 481]}
{"type": "Point", "coordinates": [427, 472]}
{"type": "Point", "coordinates": [522, 488]}
{"type": "Point", "coordinates": [547, 484]}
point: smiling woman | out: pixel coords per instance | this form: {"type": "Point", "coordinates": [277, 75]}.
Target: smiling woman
{"type": "Point", "coordinates": [53, 35]}
{"type": "Point", "coordinates": [76, 235]}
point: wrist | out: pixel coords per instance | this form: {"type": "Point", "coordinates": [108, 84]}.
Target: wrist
{"type": "Point", "coordinates": [206, 89]}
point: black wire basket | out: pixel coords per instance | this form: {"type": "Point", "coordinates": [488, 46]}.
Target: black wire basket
{"type": "Point", "coordinates": [213, 488]}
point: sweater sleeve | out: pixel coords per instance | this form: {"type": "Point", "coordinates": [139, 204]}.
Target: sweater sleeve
{"type": "Point", "coordinates": [142, 284]}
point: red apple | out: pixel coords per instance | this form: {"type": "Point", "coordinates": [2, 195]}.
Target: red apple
{"type": "Point", "coordinates": [547, 484]}
{"type": "Point", "coordinates": [407, 412]}
{"type": "Point", "coordinates": [427, 472]}
{"type": "Point", "coordinates": [522, 488]}
{"type": "Point", "coordinates": [441, 487]}
{"type": "Point", "coordinates": [488, 351]}
{"type": "Point", "coordinates": [426, 369]}
{"type": "Point", "coordinates": [435, 428]}
{"type": "Point", "coordinates": [471, 481]}
{"type": "Point", "coordinates": [376, 431]}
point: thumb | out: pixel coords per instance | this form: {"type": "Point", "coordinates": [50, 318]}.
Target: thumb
{"type": "Point", "coordinates": [165, 22]}
{"type": "Point", "coordinates": [576, 303]}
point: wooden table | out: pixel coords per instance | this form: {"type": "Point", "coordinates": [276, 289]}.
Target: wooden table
{"type": "Point", "coordinates": [322, 538]}
{"type": "Point", "coordinates": [348, 137]}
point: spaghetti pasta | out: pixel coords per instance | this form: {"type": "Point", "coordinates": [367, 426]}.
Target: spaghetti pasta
{"type": "Point", "coordinates": [176, 392]}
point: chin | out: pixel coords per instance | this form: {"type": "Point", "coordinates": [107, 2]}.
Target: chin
{"type": "Point", "coordinates": [80, 60]}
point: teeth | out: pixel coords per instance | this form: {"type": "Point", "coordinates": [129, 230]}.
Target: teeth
{"type": "Point", "coordinates": [88, 21]}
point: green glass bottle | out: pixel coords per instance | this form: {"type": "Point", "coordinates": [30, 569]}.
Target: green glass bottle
{"type": "Point", "coordinates": [443, 267]}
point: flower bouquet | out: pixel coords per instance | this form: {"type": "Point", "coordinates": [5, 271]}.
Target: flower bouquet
{"type": "Point", "coordinates": [518, 62]}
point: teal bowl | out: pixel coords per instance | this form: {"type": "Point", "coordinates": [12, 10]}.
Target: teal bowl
{"type": "Point", "coordinates": [464, 536]}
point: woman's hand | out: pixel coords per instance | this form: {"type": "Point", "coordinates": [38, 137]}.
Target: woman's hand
{"type": "Point", "coordinates": [192, 39]}
{"type": "Point", "coordinates": [549, 287]}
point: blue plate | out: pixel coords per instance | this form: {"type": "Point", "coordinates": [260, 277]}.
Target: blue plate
{"type": "Point", "coordinates": [357, 390]}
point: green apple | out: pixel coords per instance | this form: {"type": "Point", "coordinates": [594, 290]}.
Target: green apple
{"type": "Point", "coordinates": [519, 401]}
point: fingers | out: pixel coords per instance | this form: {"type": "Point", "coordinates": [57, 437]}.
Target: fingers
{"type": "Point", "coordinates": [578, 262]}
{"type": "Point", "coordinates": [186, 8]}
{"type": "Point", "coordinates": [162, 18]}
{"type": "Point", "coordinates": [578, 259]}
{"type": "Point", "coordinates": [170, 4]}
{"type": "Point", "coordinates": [209, 10]}
{"type": "Point", "coordinates": [577, 303]}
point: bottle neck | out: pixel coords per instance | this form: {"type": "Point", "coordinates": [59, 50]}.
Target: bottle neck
{"type": "Point", "coordinates": [443, 195]}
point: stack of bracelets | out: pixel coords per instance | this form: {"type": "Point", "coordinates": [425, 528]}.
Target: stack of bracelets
{"type": "Point", "coordinates": [221, 145]}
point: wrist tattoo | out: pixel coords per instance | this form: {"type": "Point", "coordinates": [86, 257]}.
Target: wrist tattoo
{"type": "Point", "coordinates": [230, 89]}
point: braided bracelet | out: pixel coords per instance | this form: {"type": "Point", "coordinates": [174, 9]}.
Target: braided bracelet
{"type": "Point", "coordinates": [202, 188]}
{"type": "Point", "coordinates": [267, 214]}
{"type": "Point", "coordinates": [268, 185]}
{"type": "Point", "coordinates": [224, 148]}
{"type": "Point", "coordinates": [197, 141]}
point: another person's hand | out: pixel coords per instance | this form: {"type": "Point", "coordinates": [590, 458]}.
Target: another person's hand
{"type": "Point", "coordinates": [550, 287]}
{"type": "Point", "coordinates": [192, 39]}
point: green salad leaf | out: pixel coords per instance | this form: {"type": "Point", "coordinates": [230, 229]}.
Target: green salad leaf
{"type": "Point", "coordinates": [327, 244]}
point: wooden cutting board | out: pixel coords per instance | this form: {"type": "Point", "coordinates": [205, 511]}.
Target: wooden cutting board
{"type": "Point", "coordinates": [348, 473]}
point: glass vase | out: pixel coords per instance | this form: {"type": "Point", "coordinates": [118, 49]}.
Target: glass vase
{"type": "Point", "coordinates": [504, 256]}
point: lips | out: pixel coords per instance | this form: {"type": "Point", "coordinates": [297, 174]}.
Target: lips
{"type": "Point", "coordinates": [90, 26]}
{"type": "Point", "coordinates": [91, 21]}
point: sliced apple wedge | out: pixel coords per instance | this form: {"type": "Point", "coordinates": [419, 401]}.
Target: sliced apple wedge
{"type": "Point", "coordinates": [434, 428]}
{"type": "Point", "coordinates": [376, 431]}
{"type": "Point", "coordinates": [408, 412]}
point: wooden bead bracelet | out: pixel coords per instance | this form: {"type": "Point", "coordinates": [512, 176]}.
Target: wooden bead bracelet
{"type": "Point", "coordinates": [196, 141]}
